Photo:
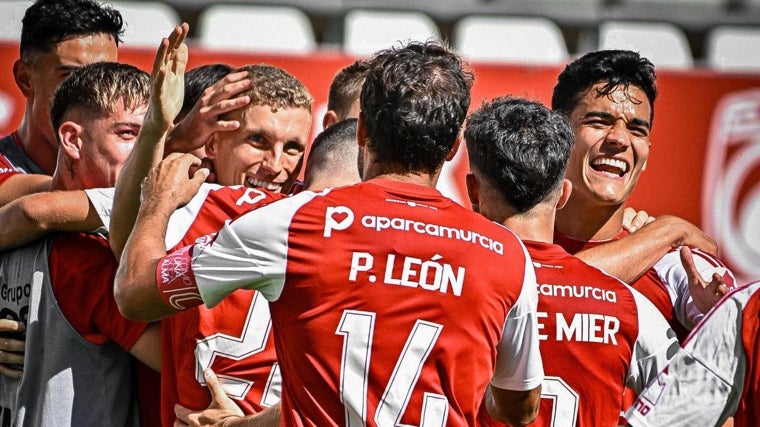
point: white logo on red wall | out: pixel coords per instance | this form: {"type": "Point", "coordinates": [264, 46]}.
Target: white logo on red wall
{"type": "Point", "coordinates": [6, 109]}
{"type": "Point", "coordinates": [731, 197]}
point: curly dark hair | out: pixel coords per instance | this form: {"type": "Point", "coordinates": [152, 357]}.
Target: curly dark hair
{"type": "Point", "coordinates": [612, 67]}
{"type": "Point", "coordinates": [414, 101]}
{"type": "Point", "coordinates": [48, 22]}
{"type": "Point", "coordinates": [520, 147]}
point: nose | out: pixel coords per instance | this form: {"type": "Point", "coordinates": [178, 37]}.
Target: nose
{"type": "Point", "coordinates": [619, 135]}
{"type": "Point", "coordinates": [273, 158]}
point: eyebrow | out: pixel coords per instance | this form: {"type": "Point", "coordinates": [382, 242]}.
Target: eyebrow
{"type": "Point", "coordinates": [608, 116]}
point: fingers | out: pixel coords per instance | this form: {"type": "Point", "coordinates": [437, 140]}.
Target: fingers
{"type": "Point", "coordinates": [182, 414]}
{"type": "Point", "coordinates": [218, 394]}
{"type": "Point", "coordinates": [687, 260]}
{"type": "Point", "coordinates": [10, 344]}
{"type": "Point", "coordinates": [10, 372]}
{"type": "Point", "coordinates": [228, 87]}
{"type": "Point", "coordinates": [8, 325]}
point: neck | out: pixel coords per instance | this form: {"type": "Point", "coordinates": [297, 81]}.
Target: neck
{"type": "Point", "coordinates": [37, 145]}
{"type": "Point", "coordinates": [536, 225]}
{"type": "Point", "coordinates": [418, 178]}
{"type": "Point", "coordinates": [583, 222]}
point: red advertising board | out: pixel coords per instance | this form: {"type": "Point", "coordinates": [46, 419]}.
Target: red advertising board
{"type": "Point", "coordinates": [704, 162]}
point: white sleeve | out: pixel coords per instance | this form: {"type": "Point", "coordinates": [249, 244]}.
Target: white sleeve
{"type": "Point", "coordinates": [518, 359]}
{"type": "Point", "coordinates": [249, 253]}
{"type": "Point", "coordinates": [102, 200]}
{"type": "Point", "coordinates": [702, 385]}
{"type": "Point", "coordinates": [655, 344]}
{"type": "Point", "coordinates": [672, 273]}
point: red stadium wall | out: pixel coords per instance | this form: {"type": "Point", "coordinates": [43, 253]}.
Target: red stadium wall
{"type": "Point", "coordinates": [705, 155]}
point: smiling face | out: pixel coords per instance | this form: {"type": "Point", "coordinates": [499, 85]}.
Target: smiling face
{"type": "Point", "coordinates": [611, 144]}
{"type": "Point", "coordinates": [265, 151]}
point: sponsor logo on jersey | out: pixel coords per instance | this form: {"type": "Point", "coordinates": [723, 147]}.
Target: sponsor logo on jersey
{"type": "Point", "coordinates": [340, 218]}
{"type": "Point", "coordinates": [577, 291]}
{"type": "Point", "coordinates": [15, 294]}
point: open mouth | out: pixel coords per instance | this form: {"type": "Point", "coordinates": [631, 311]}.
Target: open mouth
{"type": "Point", "coordinates": [255, 183]}
{"type": "Point", "coordinates": [609, 165]}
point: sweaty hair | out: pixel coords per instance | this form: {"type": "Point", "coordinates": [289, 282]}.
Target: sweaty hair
{"type": "Point", "coordinates": [333, 151]}
{"type": "Point", "coordinates": [97, 87]}
{"type": "Point", "coordinates": [197, 80]}
{"type": "Point", "coordinates": [49, 22]}
{"type": "Point", "coordinates": [346, 87]}
{"type": "Point", "coordinates": [521, 147]}
{"type": "Point", "coordinates": [614, 68]}
{"type": "Point", "coordinates": [276, 88]}
{"type": "Point", "coordinates": [414, 101]}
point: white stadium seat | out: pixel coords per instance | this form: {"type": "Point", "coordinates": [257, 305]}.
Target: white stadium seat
{"type": "Point", "coordinates": [733, 48]}
{"type": "Point", "coordinates": [493, 38]}
{"type": "Point", "coordinates": [277, 29]}
{"type": "Point", "coordinates": [367, 31]}
{"type": "Point", "coordinates": [146, 22]}
{"type": "Point", "coordinates": [11, 13]}
{"type": "Point", "coordinates": [662, 43]}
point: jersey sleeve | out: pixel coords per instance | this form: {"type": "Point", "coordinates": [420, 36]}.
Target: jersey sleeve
{"type": "Point", "coordinates": [672, 273]}
{"type": "Point", "coordinates": [656, 344]}
{"type": "Point", "coordinates": [82, 272]}
{"type": "Point", "coordinates": [702, 384]}
{"type": "Point", "coordinates": [101, 200]}
{"type": "Point", "coordinates": [518, 365]}
{"type": "Point", "coordinates": [249, 253]}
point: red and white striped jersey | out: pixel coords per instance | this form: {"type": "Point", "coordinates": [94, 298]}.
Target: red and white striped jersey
{"type": "Point", "coordinates": [715, 376]}
{"type": "Point", "coordinates": [233, 338]}
{"type": "Point", "coordinates": [390, 302]}
{"type": "Point", "coordinates": [597, 336]}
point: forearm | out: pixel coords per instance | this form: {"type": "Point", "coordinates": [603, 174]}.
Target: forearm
{"type": "Point", "coordinates": [22, 184]}
{"type": "Point", "coordinates": [147, 153]}
{"type": "Point", "coordinates": [517, 408]}
{"type": "Point", "coordinates": [135, 287]}
{"type": "Point", "coordinates": [269, 417]}
{"type": "Point", "coordinates": [630, 257]}
{"type": "Point", "coordinates": [32, 216]}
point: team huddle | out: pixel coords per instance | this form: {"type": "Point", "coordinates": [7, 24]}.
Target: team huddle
{"type": "Point", "coordinates": [163, 264]}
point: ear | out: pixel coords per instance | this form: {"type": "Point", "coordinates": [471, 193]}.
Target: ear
{"type": "Point", "coordinates": [211, 146]}
{"type": "Point", "coordinates": [564, 196]}
{"type": "Point", "coordinates": [22, 76]}
{"type": "Point", "coordinates": [454, 148]}
{"type": "Point", "coordinates": [361, 132]}
{"type": "Point", "coordinates": [69, 135]}
{"type": "Point", "coordinates": [329, 119]}
{"type": "Point", "coordinates": [471, 182]}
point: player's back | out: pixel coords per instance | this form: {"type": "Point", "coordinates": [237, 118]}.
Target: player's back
{"type": "Point", "coordinates": [597, 336]}
{"type": "Point", "coordinates": [399, 296]}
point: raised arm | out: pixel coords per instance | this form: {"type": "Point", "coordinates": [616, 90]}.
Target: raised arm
{"type": "Point", "coordinates": [630, 257]}
{"type": "Point", "coordinates": [167, 91]}
{"type": "Point", "coordinates": [30, 217]}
